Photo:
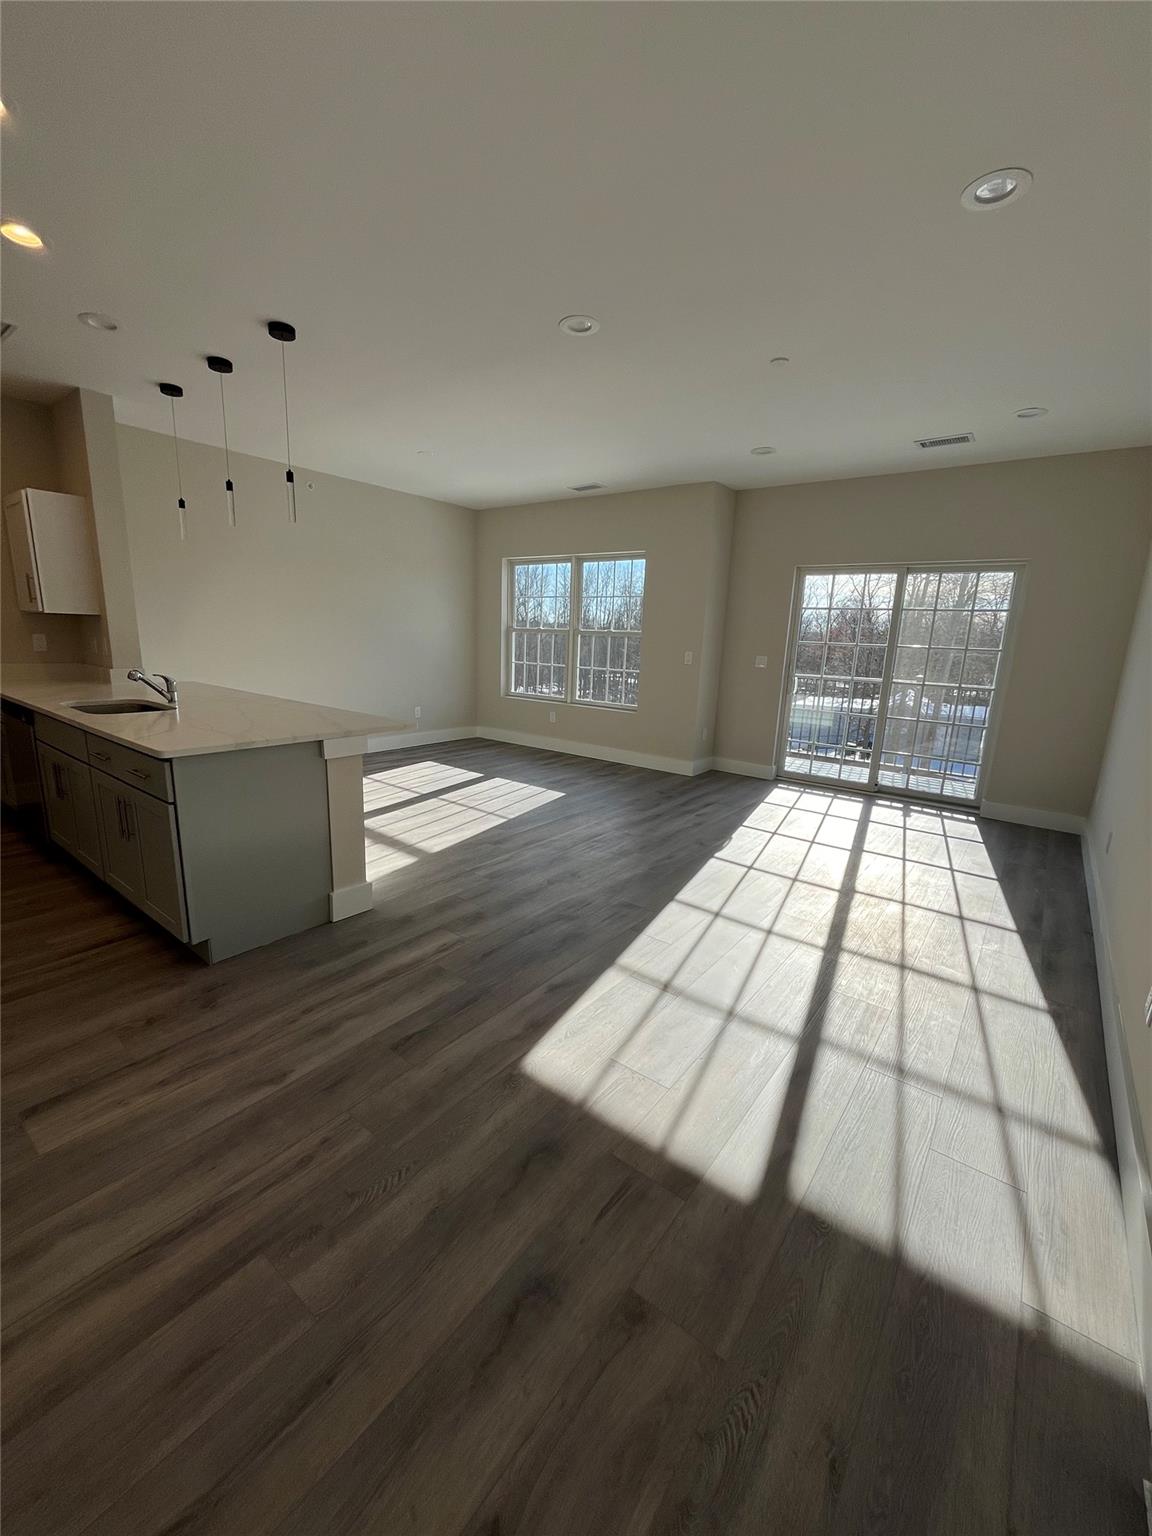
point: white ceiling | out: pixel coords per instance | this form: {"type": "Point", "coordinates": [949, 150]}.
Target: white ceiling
{"type": "Point", "coordinates": [425, 189]}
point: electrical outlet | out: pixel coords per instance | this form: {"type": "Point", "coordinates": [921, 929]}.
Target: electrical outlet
{"type": "Point", "coordinates": [39, 642]}
{"type": "Point", "coordinates": [416, 713]}
{"type": "Point", "coordinates": [687, 658]}
{"type": "Point", "coordinates": [551, 717]}
{"type": "Point", "coordinates": [761, 661]}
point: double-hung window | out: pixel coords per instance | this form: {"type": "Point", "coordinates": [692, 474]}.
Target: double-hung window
{"type": "Point", "coordinates": [573, 629]}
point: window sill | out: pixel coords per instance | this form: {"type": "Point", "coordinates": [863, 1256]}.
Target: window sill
{"type": "Point", "coordinates": [553, 702]}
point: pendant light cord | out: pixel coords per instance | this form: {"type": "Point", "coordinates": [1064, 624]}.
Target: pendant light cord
{"type": "Point", "coordinates": [284, 376]}
{"type": "Point", "coordinates": [176, 448]}
{"type": "Point", "coordinates": [224, 419]}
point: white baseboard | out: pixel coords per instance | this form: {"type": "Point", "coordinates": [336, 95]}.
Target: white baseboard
{"type": "Point", "coordinates": [1030, 816]}
{"type": "Point", "coordinates": [396, 741]}
{"type": "Point", "coordinates": [402, 740]}
{"type": "Point", "coordinates": [348, 900]}
{"type": "Point", "coordinates": [750, 770]}
{"type": "Point", "coordinates": [1135, 1177]}
{"type": "Point", "coordinates": [605, 754]}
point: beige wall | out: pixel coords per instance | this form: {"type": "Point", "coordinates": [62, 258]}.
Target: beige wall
{"type": "Point", "coordinates": [1082, 522]}
{"type": "Point", "coordinates": [685, 533]}
{"type": "Point", "coordinates": [87, 448]}
{"type": "Point", "coordinates": [715, 620]}
{"type": "Point", "coordinates": [1120, 837]}
{"type": "Point", "coordinates": [366, 602]}
{"type": "Point", "coordinates": [1120, 847]}
{"type": "Point", "coordinates": [28, 459]}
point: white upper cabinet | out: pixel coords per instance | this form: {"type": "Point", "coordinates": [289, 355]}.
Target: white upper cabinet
{"type": "Point", "coordinates": [54, 561]}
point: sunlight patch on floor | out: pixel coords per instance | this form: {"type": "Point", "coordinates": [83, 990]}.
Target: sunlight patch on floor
{"type": "Point", "coordinates": [393, 786]}
{"type": "Point", "coordinates": [830, 934]}
{"type": "Point", "coordinates": [426, 807]}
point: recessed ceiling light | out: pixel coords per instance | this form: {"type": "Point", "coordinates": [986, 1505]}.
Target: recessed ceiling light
{"type": "Point", "coordinates": [778, 362]}
{"type": "Point", "coordinates": [762, 450]}
{"type": "Point", "coordinates": [996, 188]}
{"type": "Point", "coordinates": [97, 321]}
{"type": "Point", "coordinates": [579, 325]}
{"type": "Point", "coordinates": [20, 234]}
{"type": "Point", "coordinates": [1031, 411]}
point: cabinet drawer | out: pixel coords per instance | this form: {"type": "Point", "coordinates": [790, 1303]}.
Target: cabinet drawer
{"type": "Point", "coordinates": [66, 737]}
{"type": "Point", "coordinates": [151, 774]}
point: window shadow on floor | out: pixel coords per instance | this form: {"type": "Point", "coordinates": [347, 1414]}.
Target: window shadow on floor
{"type": "Point", "coordinates": [680, 1154]}
{"type": "Point", "coordinates": [860, 1039]}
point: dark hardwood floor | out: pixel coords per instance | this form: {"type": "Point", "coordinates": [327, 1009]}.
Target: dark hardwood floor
{"type": "Point", "coordinates": [660, 1155]}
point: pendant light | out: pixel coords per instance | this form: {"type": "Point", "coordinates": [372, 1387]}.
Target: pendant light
{"type": "Point", "coordinates": [281, 331]}
{"type": "Point", "coordinates": [173, 392]}
{"type": "Point", "coordinates": [222, 365]}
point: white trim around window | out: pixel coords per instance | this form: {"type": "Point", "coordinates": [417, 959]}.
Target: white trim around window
{"type": "Point", "coordinates": [572, 629]}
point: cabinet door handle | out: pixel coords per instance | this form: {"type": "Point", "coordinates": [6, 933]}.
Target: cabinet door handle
{"type": "Point", "coordinates": [102, 757]}
{"type": "Point", "coordinates": [120, 816]}
{"type": "Point", "coordinates": [31, 586]}
{"type": "Point", "coordinates": [128, 820]}
{"type": "Point", "coordinates": [139, 773]}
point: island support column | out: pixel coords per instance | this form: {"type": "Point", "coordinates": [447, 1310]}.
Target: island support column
{"type": "Point", "coordinates": [351, 892]}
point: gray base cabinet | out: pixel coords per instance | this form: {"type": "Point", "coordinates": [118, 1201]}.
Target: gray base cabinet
{"type": "Point", "coordinates": [152, 823]}
{"type": "Point", "coordinates": [142, 851]}
{"type": "Point", "coordinates": [125, 835]}
{"type": "Point", "coordinates": [70, 807]}
{"type": "Point", "coordinates": [226, 850]}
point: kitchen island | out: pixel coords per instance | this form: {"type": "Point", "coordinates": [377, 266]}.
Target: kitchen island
{"type": "Point", "coordinates": [230, 818]}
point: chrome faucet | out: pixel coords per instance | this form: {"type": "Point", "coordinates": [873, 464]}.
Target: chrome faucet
{"type": "Point", "coordinates": [168, 692]}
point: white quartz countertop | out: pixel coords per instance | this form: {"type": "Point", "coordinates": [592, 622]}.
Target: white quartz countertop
{"type": "Point", "coordinates": [208, 719]}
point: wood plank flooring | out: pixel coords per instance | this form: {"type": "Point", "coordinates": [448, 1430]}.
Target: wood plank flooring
{"type": "Point", "coordinates": [659, 1156]}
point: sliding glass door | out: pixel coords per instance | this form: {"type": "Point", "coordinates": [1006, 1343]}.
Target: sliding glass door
{"type": "Point", "coordinates": [839, 663]}
{"type": "Point", "coordinates": [892, 677]}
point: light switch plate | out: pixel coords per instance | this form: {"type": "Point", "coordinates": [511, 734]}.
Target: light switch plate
{"type": "Point", "coordinates": [416, 713]}
{"type": "Point", "coordinates": [687, 658]}
{"type": "Point", "coordinates": [761, 661]}
{"type": "Point", "coordinates": [551, 717]}
{"type": "Point", "coordinates": [39, 642]}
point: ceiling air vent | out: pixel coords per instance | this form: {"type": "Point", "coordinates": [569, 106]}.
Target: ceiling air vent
{"type": "Point", "coordinates": [592, 485]}
{"type": "Point", "coordinates": [6, 329]}
{"type": "Point", "coordinates": [946, 442]}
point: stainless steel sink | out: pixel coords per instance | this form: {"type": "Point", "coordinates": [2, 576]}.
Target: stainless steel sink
{"type": "Point", "coordinates": [117, 706]}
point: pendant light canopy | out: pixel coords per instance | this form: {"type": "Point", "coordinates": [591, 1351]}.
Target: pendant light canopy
{"type": "Point", "coordinates": [221, 366]}
{"type": "Point", "coordinates": [173, 392]}
{"type": "Point", "coordinates": [281, 331]}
